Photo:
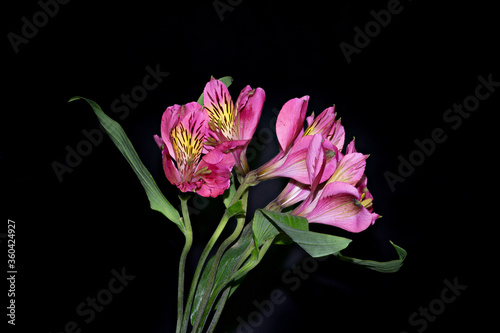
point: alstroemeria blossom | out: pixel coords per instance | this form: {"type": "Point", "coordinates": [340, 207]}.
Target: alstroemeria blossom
{"type": "Point", "coordinates": [183, 135]}
{"type": "Point", "coordinates": [330, 186]}
{"type": "Point", "coordinates": [228, 122]}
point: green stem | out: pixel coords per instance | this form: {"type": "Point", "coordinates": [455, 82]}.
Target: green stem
{"type": "Point", "coordinates": [197, 272]}
{"type": "Point", "coordinates": [188, 233]}
{"type": "Point", "coordinates": [225, 295]}
{"type": "Point", "coordinates": [204, 307]}
{"type": "Point", "coordinates": [222, 224]}
{"type": "Point", "coordinates": [241, 272]}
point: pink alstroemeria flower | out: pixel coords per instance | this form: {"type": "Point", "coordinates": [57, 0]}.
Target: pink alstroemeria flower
{"type": "Point", "coordinates": [183, 135]}
{"type": "Point", "coordinates": [330, 186]}
{"type": "Point", "coordinates": [228, 122]}
{"type": "Point", "coordinates": [343, 201]}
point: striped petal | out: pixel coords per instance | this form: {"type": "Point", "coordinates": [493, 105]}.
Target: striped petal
{"type": "Point", "coordinates": [220, 109]}
{"type": "Point", "coordinates": [350, 169]}
{"type": "Point", "coordinates": [187, 138]}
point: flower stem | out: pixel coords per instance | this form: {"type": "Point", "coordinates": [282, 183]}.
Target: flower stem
{"type": "Point", "coordinates": [197, 273]}
{"type": "Point", "coordinates": [236, 275]}
{"type": "Point", "coordinates": [205, 306]}
{"type": "Point", "coordinates": [188, 233]}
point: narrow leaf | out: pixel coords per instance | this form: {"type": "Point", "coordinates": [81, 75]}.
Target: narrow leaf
{"type": "Point", "coordinates": [390, 266]}
{"type": "Point", "coordinates": [156, 198]}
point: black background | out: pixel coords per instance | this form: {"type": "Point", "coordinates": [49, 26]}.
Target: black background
{"type": "Point", "coordinates": [72, 233]}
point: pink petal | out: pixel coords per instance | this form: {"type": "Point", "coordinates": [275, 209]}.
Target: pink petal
{"type": "Point", "coordinates": [249, 108]}
{"type": "Point", "coordinates": [338, 135]}
{"type": "Point", "coordinates": [290, 121]}
{"type": "Point", "coordinates": [159, 141]}
{"type": "Point", "coordinates": [295, 162]}
{"type": "Point", "coordinates": [331, 160]}
{"type": "Point", "coordinates": [187, 138]}
{"type": "Point", "coordinates": [339, 206]}
{"type": "Point", "coordinates": [193, 118]}
{"type": "Point", "coordinates": [310, 119]}
{"type": "Point", "coordinates": [315, 158]}
{"type": "Point", "coordinates": [169, 168]}
{"type": "Point", "coordinates": [350, 169]}
{"type": "Point", "coordinates": [169, 120]}
{"type": "Point", "coordinates": [219, 107]}
{"type": "Point", "coordinates": [217, 180]}
{"type": "Point", "coordinates": [350, 147]}
{"type": "Point", "coordinates": [294, 192]}
{"type": "Point", "coordinates": [325, 124]}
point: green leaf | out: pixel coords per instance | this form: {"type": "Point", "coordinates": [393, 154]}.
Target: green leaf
{"type": "Point", "coordinates": [297, 228]}
{"type": "Point", "coordinates": [235, 209]}
{"type": "Point", "coordinates": [263, 229]}
{"type": "Point", "coordinates": [227, 80]}
{"type": "Point", "coordinates": [390, 266]}
{"type": "Point", "coordinates": [156, 198]}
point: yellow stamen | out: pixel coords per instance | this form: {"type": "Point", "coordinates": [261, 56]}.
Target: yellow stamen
{"type": "Point", "coordinates": [367, 203]}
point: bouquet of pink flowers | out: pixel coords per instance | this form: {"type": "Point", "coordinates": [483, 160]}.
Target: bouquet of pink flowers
{"type": "Point", "coordinates": [203, 146]}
